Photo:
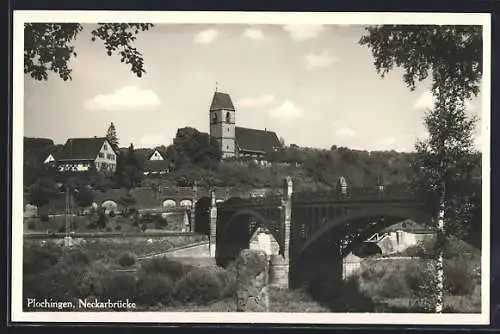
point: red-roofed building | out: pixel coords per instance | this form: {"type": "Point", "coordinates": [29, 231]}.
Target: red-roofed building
{"type": "Point", "coordinates": [236, 141]}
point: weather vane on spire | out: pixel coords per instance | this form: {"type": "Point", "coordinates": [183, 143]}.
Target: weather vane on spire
{"type": "Point", "coordinates": [216, 86]}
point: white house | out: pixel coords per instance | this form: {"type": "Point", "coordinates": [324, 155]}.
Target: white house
{"type": "Point", "coordinates": [80, 154]}
{"type": "Point", "coordinates": [157, 164]}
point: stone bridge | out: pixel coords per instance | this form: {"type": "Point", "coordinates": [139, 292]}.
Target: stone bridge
{"type": "Point", "coordinates": [313, 230]}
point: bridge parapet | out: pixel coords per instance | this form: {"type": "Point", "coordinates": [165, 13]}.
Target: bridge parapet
{"type": "Point", "coordinates": [253, 202]}
{"type": "Point", "coordinates": [378, 193]}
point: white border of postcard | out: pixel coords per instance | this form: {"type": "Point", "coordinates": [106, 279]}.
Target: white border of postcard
{"type": "Point", "coordinates": [21, 17]}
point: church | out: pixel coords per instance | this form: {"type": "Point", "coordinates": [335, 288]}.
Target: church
{"type": "Point", "coordinates": [234, 141]}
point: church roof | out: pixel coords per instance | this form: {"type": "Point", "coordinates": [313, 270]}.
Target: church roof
{"type": "Point", "coordinates": [256, 140]}
{"type": "Point", "coordinates": [221, 101]}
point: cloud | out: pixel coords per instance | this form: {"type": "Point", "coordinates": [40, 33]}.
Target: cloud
{"type": "Point", "coordinates": [426, 101]}
{"type": "Point", "coordinates": [319, 60]}
{"type": "Point", "coordinates": [206, 36]}
{"type": "Point", "coordinates": [258, 101]}
{"type": "Point", "coordinates": [253, 33]}
{"type": "Point", "coordinates": [125, 98]}
{"type": "Point", "coordinates": [152, 140]}
{"type": "Point", "coordinates": [286, 110]}
{"type": "Point", "coordinates": [304, 32]}
{"type": "Point", "coordinates": [387, 142]}
{"type": "Point", "coordinates": [346, 132]}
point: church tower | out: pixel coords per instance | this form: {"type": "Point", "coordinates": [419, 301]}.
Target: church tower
{"type": "Point", "coordinates": [222, 123]}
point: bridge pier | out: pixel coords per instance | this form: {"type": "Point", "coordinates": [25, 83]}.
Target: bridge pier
{"type": "Point", "coordinates": [213, 226]}
{"type": "Point", "coordinates": [280, 263]}
{"type": "Point", "coordinates": [193, 208]}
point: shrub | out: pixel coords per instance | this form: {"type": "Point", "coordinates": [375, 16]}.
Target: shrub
{"type": "Point", "coordinates": [102, 220]}
{"type": "Point", "coordinates": [199, 286]}
{"type": "Point", "coordinates": [459, 277]}
{"type": "Point", "coordinates": [413, 251]}
{"type": "Point", "coordinates": [44, 217]}
{"type": "Point", "coordinates": [119, 286]}
{"type": "Point", "coordinates": [392, 285]}
{"type": "Point", "coordinates": [112, 214]}
{"type": "Point", "coordinates": [77, 258]}
{"type": "Point", "coordinates": [61, 229]}
{"type": "Point", "coordinates": [118, 228]}
{"type": "Point", "coordinates": [37, 258]}
{"type": "Point", "coordinates": [160, 222]}
{"type": "Point", "coordinates": [155, 289]}
{"type": "Point", "coordinates": [92, 226]}
{"type": "Point", "coordinates": [126, 260]}
{"type": "Point", "coordinates": [165, 266]}
{"type": "Point", "coordinates": [31, 225]}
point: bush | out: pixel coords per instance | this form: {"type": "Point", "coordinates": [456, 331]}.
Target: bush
{"type": "Point", "coordinates": [61, 229]}
{"type": "Point", "coordinates": [155, 289]}
{"type": "Point", "coordinates": [126, 260]}
{"type": "Point", "coordinates": [102, 220]}
{"type": "Point", "coordinates": [44, 217]}
{"type": "Point", "coordinates": [31, 225]}
{"type": "Point", "coordinates": [160, 222]}
{"type": "Point", "coordinates": [199, 286]}
{"type": "Point", "coordinates": [119, 286]}
{"type": "Point", "coordinates": [459, 277]}
{"type": "Point", "coordinates": [37, 258]}
{"type": "Point", "coordinates": [392, 285]}
{"type": "Point", "coordinates": [165, 266]}
{"type": "Point", "coordinates": [118, 228]}
{"type": "Point", "coordinates": [77, 258]}
{"type": "Point", "coordinates": [112, 214]}
{"type": "Point", "coordinates": [92, 226]}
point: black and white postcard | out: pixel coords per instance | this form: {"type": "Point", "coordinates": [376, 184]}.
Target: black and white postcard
{"type": "Point", "coordinates": [251, 167]}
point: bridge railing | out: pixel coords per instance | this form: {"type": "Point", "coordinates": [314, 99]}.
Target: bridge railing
{"type": "Point", "coordinates": [252, 201]}
{"type": "Point", "coordinates": [392, 192]}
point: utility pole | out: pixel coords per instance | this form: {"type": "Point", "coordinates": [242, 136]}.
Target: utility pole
{"type": "Point", "coordinates": [67, 238]}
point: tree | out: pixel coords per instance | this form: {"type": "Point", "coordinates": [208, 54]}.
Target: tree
{"type": "Point", "coordinates": [452, 55]}
{"type": "Point", "coordinates": [42, 191]}
{"type": "Point", "coordinates": [193, 148]}
{"type": "Point", "coordinates": [111, 136]}
{"type": "Point", "coordinates": [48, 47]}
{"type": "Point", "coordinates": [128, 171]}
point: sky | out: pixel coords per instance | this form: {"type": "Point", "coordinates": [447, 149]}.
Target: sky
{"type": "Point", "coordinates": [313, 85]}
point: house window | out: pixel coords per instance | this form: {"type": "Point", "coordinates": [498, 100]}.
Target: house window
{"type": "Point", "coordinates": [101, 155]}
{"type": "Point", "coordinates": [214, 117]}
{"type": "Point", "coordinates": [105, 147]}
{"type": "Point", "coordinates": [228, 117]}
{"type": "Point", "coordinates": [111, 157]}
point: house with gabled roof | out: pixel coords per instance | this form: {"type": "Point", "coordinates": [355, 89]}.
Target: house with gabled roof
{"type": "Point", "coordinates": [82, 154]}
{"type": "Point", "coordinates": [157, 164]}
{"type": "Point", "coordinates": [234, 141]}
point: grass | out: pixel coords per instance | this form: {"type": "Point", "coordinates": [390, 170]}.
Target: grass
{"type": "Point", "coordinates": [389, 283]}
{"type": "Point", "coordinates": [280, 300]}
{"type": "Point", "coordinates": [117, 223]}
{"type": "Point", "coordinates": [114, 247]}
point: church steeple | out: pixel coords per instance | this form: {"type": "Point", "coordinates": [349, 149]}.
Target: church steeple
{"type": "Point", "coordinates": [222, 123]}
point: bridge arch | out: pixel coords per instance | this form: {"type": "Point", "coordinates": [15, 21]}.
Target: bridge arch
{"type": "Point", "coordinates": [169, 203]}
{"type": "Point", "coordinates": [383, 217]}
{"type": "Point", "coordinates": [235, 235]}
{"type": "Point", "coordinates": [320, 258]}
